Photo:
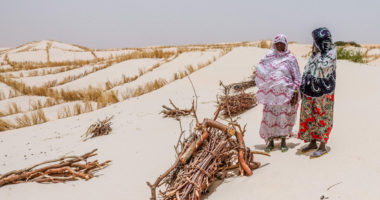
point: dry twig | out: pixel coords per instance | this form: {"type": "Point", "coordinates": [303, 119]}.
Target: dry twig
{"type": "Point", "coordinates": [65, 168]}
{"type": "Point", "coordinates": [98, 128]}
{"type": "Point", "coordinates": [211, 150]}
{"type": "Point", "coordinates": [174, 112]}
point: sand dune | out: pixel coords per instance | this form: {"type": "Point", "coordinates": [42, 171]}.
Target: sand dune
{"type": "Point", "coordinates": [141, 143]}
{"type": "Point", "coordinates": [113, 73]}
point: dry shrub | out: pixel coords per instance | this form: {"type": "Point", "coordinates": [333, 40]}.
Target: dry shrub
{"type": "Point", "coordinates": [202, 65]}
{"type": "Point", "coordinates": [36, 105]}
{"type": "Point", "coordinates": [78, 109]}
{"type": "Point", "coordinates": [88, 106]}
{"type": "Point", "coordinates": [23, 121]}
{"type": "Point", "coordinates": [148, 87]}
{"type": "Point", "coordinates": [13, 108]}
{"type": "Point", "coordinates": [48, 45]}
{"type": "Point", "coordinates": [2, 95]}
{"type": "Point", "coordinates": [98, 128]}
{"type": "Point", "coordinates": [265, 44]}
{"type": "Point", "coordinates": [141, 72]}
{"type": "Point", "coordinates": [190, 69]}
{"type": "Point", "coordinates": [176, 76]}
{"type": "Point", "coordinates": [38, 117]}
{"type": "Point", "coordinates": [64, 112]}
{"type": "Point", "coordinates": [5, 125]}
{"type": "Point", "coordinates": [50, 102]}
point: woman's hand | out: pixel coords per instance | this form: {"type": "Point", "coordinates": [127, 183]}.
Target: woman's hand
{"type": "Point", "coordinates": [294, 99]}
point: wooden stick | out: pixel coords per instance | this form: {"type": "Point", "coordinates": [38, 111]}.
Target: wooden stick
{"type": "Point", "coordinates": [84, 156]}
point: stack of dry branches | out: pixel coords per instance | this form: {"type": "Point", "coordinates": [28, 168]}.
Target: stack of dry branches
{"type": "Point", "coordinates": [237, 103]}
{"type": "Point", "coordinates": [241, 86]}
{"type": "Point", "coordinates": [207, 154]}
{"type": "Point", "coordinates": [98, 128]}
{"type": "Point", "coordinates": [174, 112]}
{"type": "Point", "coordinates": [66, 168]}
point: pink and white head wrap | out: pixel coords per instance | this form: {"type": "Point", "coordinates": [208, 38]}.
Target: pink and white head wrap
{"type": "Point", "coordinates": [277, 75]}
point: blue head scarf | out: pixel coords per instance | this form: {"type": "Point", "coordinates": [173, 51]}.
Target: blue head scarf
{"type": "Point", "coordinates": [322, 39]}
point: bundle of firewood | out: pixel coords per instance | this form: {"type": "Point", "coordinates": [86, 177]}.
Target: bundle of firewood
{"type": "Point", "coordinates": [66, 168]}
{"type": "Point", "coordinates": [234, 101]}
{"type": "Point", "coordinates": [241, 86]}
{"type": "Point", "coordinates": [212, 150]}
{"type": "Point", "coordinates": [98, 128]}
{"type": "Point", "coordinates": [238, 103]}
{"type": "Point", "coordinates": [174, 112]}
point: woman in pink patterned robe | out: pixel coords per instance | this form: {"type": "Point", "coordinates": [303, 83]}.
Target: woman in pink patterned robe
{"type": "Point", "coordinates": [278, 79]}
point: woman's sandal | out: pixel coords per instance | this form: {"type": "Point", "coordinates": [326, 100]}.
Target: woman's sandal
{"type": "Point", "coordinates": [284, 149]}
{"type": "Point", "coordinates": [318, 154]}
{"type": "Point", "coordinates": [269, 149]}
{"type": "Point", "coordinates": [308, 148]}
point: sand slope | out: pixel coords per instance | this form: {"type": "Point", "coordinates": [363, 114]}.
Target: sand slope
{"type": "Point", "coordinates": [141, 144]}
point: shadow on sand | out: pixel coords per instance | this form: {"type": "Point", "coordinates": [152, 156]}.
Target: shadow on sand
{"type": "Point", "coordinates": [230, 175]}
{"type": "Point", "coordinates": [309, 153]}
{"type": "Point", "coordinates": [277, 147]}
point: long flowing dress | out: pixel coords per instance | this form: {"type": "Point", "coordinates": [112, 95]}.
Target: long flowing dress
{"type": "Point", "coordinates": [317, 90]}
{"type": "Point", "coordinates": [277, 78]}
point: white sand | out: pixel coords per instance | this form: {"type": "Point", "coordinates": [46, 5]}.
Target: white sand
{"type": "Point", "coordinates": [299, 50]}
{"type": "Point", "coordinates": [374, 52]}
{"type": "Point", "coordinates": [32, 56]}
{"type": "Point", "coordinates": [39, 81]}
{"type": "Point", "coordinates": [24, 102]}
{"type": "Point", "coordinates": [112, 73]}
{"type": "Point", "coordinates": [51, 112]}
{"type": "Point", "coordinates": [166, 71]}
{"type": "Point", "coordinates": [21, 48]}
{"type": "Point", "coordinates": [6, 90]}
{"type": "Point", "coordinates": [41, 45]}
{"type": "Point", "coordinates": [114, 53]}
{"type": "Point", "coordinates": [64, 46]}
{"type": "Point", "coordinates": [58, 55]}
{"type": "Point", "coordinates": [375, 62]}
{"type": "Point", "coordinates": [141, 143]}
{"type": "Point", "coordinates": [32, 72]}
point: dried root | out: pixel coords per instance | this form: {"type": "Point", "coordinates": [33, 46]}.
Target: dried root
{"type": "Point", "coordinates": [66, 168]}
{"type": "Point", "coordinates": [98, 128]}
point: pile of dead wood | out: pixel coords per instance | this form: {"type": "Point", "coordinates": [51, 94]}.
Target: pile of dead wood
{"type": "Point", "coordinates": [207, 154]}
{"type": "Point", "coordinates": [234, 101]}
{"type": "Point", "coordinates": [98, 128]}
{"type": "Point", "coordinates": [66, 168]}
{"type": "Point", "coordinates": [174, 112]}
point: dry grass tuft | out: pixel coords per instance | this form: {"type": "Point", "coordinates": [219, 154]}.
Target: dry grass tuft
{"type": "Point", "coordinates": [190, 69]}
{"type": "Point", "coordinates": [265, 44]}
{"type": "Point", "coordinates": [5, 125]}
{"type": "Point", "coordinates": [38, 117]}
{"type": "Point", "coordinates": [148, 87]}
{"type": "Point", "coordinates": [23, 121]}
{"type": "Point", "coordinates": [13, 108]}
{"type": "Point", "coordinates": [64, 112]}
{"type": "Point", "coordinates": [2, 95]}
{"type": "Point", "coordinates": [88, 106]}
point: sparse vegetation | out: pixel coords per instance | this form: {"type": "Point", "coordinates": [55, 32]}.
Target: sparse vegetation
{"type": "Point", "coordinates": [354, 56]}
{"type": "Point", "coordinates": [265, 44]}
{"type": "Point", "coordinates": [342, 43]}
{"type": "Point", "coordinates": [5, 125]}
{"type": "Point", "coordinates": [101, 96]}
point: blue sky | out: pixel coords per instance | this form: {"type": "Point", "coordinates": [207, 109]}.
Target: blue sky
{"type": "Point", "coordinates": [124, 23]}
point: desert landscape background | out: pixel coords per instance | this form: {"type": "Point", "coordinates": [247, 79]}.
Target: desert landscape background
{"type": "Point", "coordinates": [51, 92]}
